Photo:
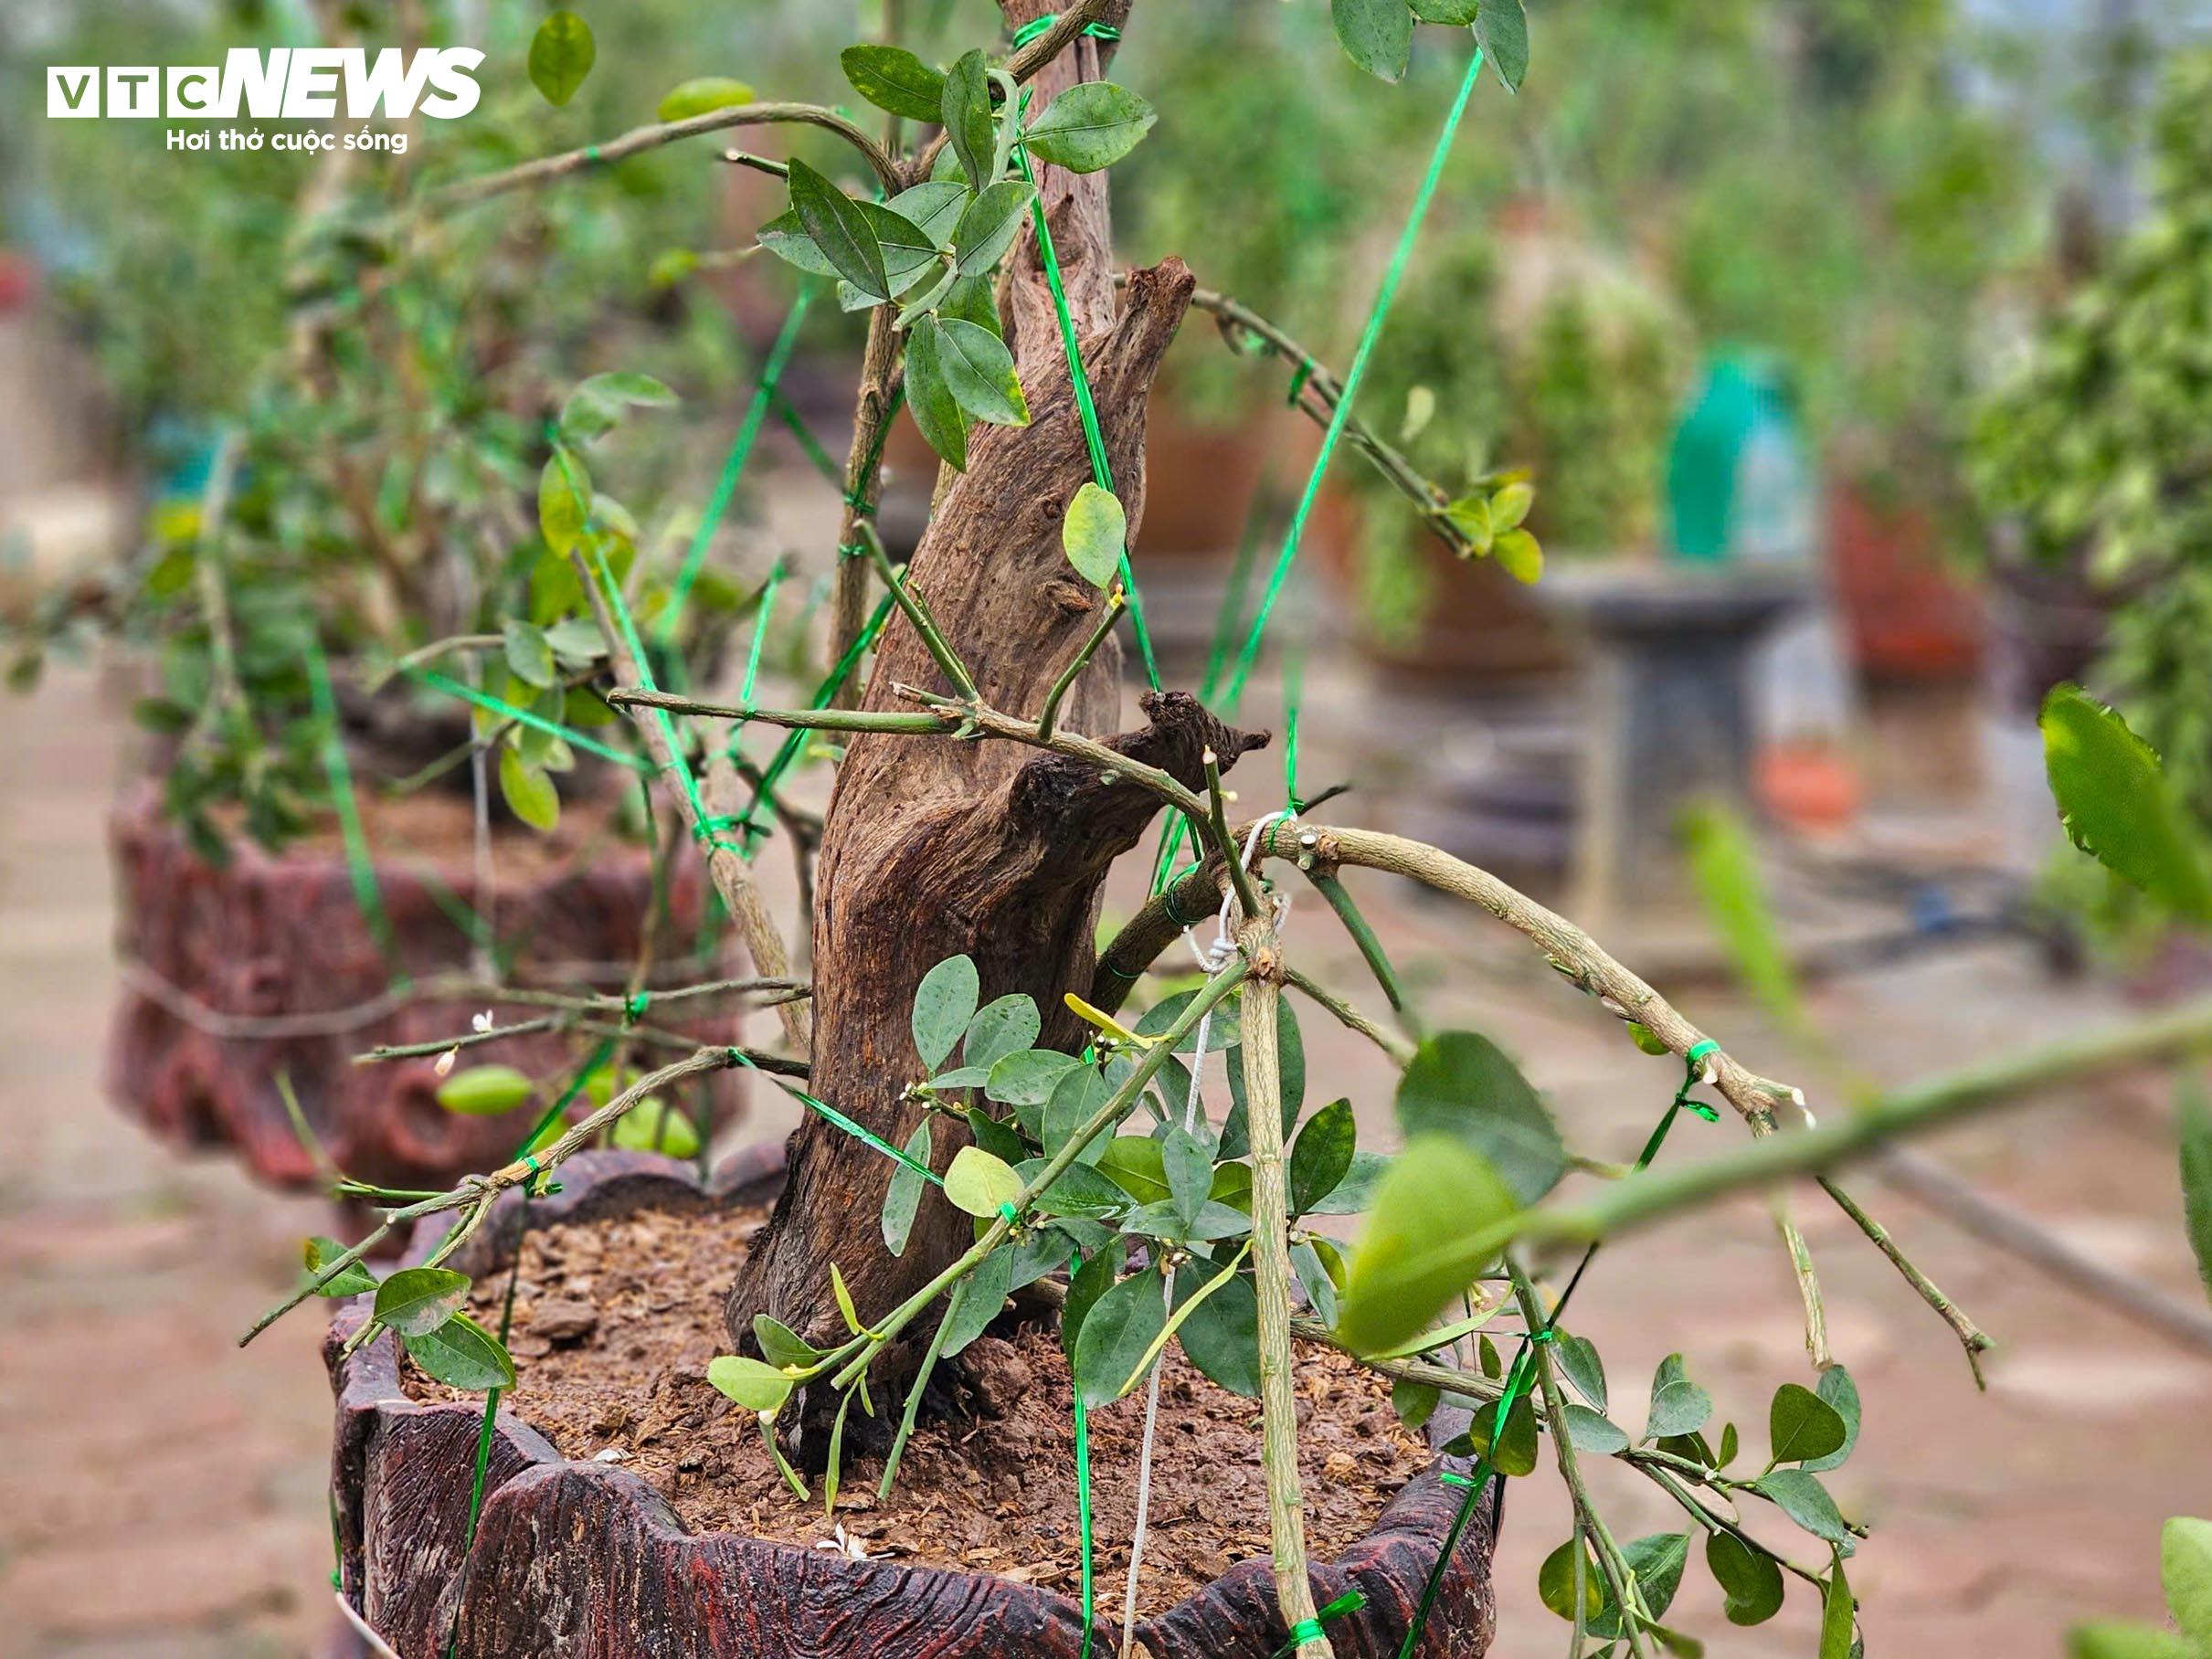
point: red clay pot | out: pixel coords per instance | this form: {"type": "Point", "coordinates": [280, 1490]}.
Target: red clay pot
{"type": "Point", "coordinates": [586, 1561]}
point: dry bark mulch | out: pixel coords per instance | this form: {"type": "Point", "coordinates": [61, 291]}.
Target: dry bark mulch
{"type": "Point", "coordinates": [615, 1323]}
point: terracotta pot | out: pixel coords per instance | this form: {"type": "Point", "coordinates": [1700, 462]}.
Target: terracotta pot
{"type": "Point", "coordinates": [1910, 619]}
{"type": "Point", "coordinates": [282, 934]}
{"type": "Point", "coordinates": [577, 1558]}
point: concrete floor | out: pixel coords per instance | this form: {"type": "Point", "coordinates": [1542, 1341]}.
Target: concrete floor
{"type": "Point", "coordinates": [162, 1493]}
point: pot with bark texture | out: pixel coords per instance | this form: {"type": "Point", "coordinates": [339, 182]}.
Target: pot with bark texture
{"type": "Point", "coordinates": [577, 1558]}
{"type": "Point", "coordinates": [266, 966]}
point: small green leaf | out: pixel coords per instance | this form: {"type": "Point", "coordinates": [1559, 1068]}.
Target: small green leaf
{"type": "Point", "coordinates": [597, 403]}
{"type": "Point", "coordinates": [1656, 1561]}
{"type": "Point", "coordinates": [462, 1354]}
{"type": "Point", "coordinates": [1080, 1190]}
{"type": "Point", "coordinates": [1085, 1286]}
{"type": "Point", "coordinates": [910, 253]}
{"type": "Point", "coordinates": [782, 1344]}
{"type": "Point", "coordinates": [1556, 1585]}
{"type": "Point", "coordinates": [2196, 1174]}
{"type": "Point", "coordinates": [1509, 507]}
{"type": "Point", "coordinates": [894, 81]}
{"type": "Point", "coordinates": [561, 54]}
{"type": "Point", "coordinates": [1841, 1393]}
{"type": "Point", "coordinates": [564, 502]}
{"type": "Point", "coordinates": [1004, 1026]}
{"type": "Point", "coordinates": [1187, 1168]}
{"type": "Point", "coordinates": [1501, 28]}
{"type": "Point", "coordinates": [846, 1310]}
{"type": "Point", "coordinates": [1679, 1406]}
{"type": "Point", "coordinates": [987, 1291]}
{"type": "Point", "coordinates": [1221, 1334]}
{"type": "Point", "coordinates": [1579, 1363]}
{"type": "Point", "coordinates": [964, 113]}
{"type": "Point", "coordinates": [2185, 1569]}
{"type": "Point", "coordinates": [1092, 125]}
{"type": "Point", "coordinates": [418, 1300]}
{"type": "Point", "coordinates": [1134, 1163]}
{"type": "Point", "coordinates": [981, 371]}
{"type": "Point", "coordinates": [1028, 1076]}
{"type": "Point", "coordinates": [1461, 1085]}
{"type": "Point", "coordinates": [1801, 1425]}
{"type": "Point", "coordinates": [353, 1281]}
{"type": "Point", "coordinates": [1750, 1579]}
{"type": "Point", "coordinates": [785, 237]}
{"type": "Point", "coordinates": [978, 1183]}
{"type": "Point", "coordinates": [2111, 1640]}
{"type": "Point", "coordinates": [1356, 1193]}
{"type": "Point", "coordinates": [988, 226]}
{"type": "Point", "coordinates": [1724, 869]}
{"type": "Point", "coordinates": [944, 1003]}
{"type": "Point", "coordinates": [1118, 1328]}
{"type": "Point", "coordinates": [485, 1091]}
{"type": "Point", "coordinates": [702, 94]}
{"type": "Point", "coordinates": [1322, 1155]}
{"type": "Point", "coordinates": [929, 396]}
{"type": "Point", "coordinates": [1377, 34]}
{"type": "Point", "coordinates": [529, 654]}
{"type": "Point", "coordinates": [1094, 534]}
{"type": "Point", "coordinates": [840, 229]}
{"type": "Point", "coordinates": [1837, 1611]}
{"type": "Point", "coordinates": [528, 791]}
{"type": "Point", "coordinates": [753, 1383]}
{"type": "Point", "coordinates": [1805, 1500]}
{"type": "Point", "coordinates": [2117, 805]}
{"type": "Point", "coordinates": [1594, 1432]}
{"type": "Point", "coordinates": [1074, 1101]}
{"type": "Point", "coordinates": [1424, 1242]}
{"type": "Point", "coordinates": [1514, 1453]}
{"type": "Point", "coordinates": [1416, 1403]}
{"type": "Point", "coordinates": [936, 205]}
{"type": "Point", "coordinates": [1457, 13]}
{"type": "Point", "coordinates": [1520, 555]}
{"type": "Point", "coordinates": [654, 1126]}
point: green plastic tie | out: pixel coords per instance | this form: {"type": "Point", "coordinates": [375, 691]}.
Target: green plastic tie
{"type": "Point", "coordinates": [1102, 472]}
{"type": "Point", "coordinates": [592, 158]}
{"type": "Point", "coordinates": [1298, 378]}
{"type": "Point", "coordinates": [1013, 1215]}
{"type": "Point", "coordinates": [1038, 26]}
{"type": "Point", "coordinates": [1309, 1630]}
{"type": "Point", "coordinates": [1082, 1518]}
{"type": "Point", "coordinates": [634, 1005]}
{"type": "Point", "coordinates": [859, 1132]}
{"type": "Point", "coordinates": [359, 868]}
{"type": "Point", "coordinates": [499, 706]}
{"type": "Point", "coordinates": [733, 465]}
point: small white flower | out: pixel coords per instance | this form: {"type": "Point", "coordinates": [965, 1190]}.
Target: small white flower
{"type": "Point", "coordinates": [482, 1021]}
{"type": "Point", "coordinates": [843, 1544]}
{"type": "Point", "coordinates": [612, 1454]}
{"type": "Point", "coordinates": [443, 1064]}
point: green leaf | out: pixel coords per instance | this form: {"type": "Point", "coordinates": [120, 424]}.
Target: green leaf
{"type": "Point", "coordinates": [1094, 533]}
{"type": "Point", "coordinates": [965, 112]}
{"type": "Point", "coordinates": [1679, 1406]}
{"type": "Point", "coordinates": [944, 1003]}
{"type": "Point", "coordinates": [319, 1252]}
{"type": "Point", "coordinates": [1836, 1608]}
{"type": "Point", "coordinates": [988, 1288]}
{"type": "Point", "coordinates": [1000, 1139]}
{"type": "Point", "coordinates": [564, 502]}
{"type": "Point", "coordinates": [782, 1344]}
{"type": "Point", "coordinates": [529, 654]}
{"type": "Point", "coordinates": [485, 1091]}
{"type": "Point", "coordinates": [462, 1354]}
{"type": "Point", "coordinates": [700, 95]}
{"type": "Point", "coordinates": [1314, 1279]}
{"type": "Point", "coordinates": [978, 1183]}
{"type": "Point", "coordinates": [1160, 1220]}
{"type": "Point", "coordinates": [929, 396]}
{"type": "Point", "coordinates": [1416, 1403]}
{"type": "Point", "coordinates": [1187, 1169]}
{"type": "Point", "coordinates": [908, 251]}
{"type": "Point", "coordinates": [972, 300]}
{"type": "Point", "coordinates": [840, 229]}
{"type": "Point", "coordinates": [1221, 1334]}
{"type": "Point", "coordinates": [1801, 1425]}
{"type": "Point", "coordinates": [1501, 28]}
{"type": "Point", "coordinates": [597, 403]}
{"type": "Point", "coordinates": [1356, 1193]}
{"type": "Point", "coordinates": [988, 226]}
{"type": "Point", "coordinates": [1080, 1190]}
{"type": "Point", "coordinates": [2195, 1124]}
{"type": "Point", "coordinates": [2185, 1569]}
{"type": "Point", "coordinates": [561, 55]}
{"type": "Point", "coordinates": [1514, 1453]}
{"type": "Point", "coordinates": [1724, 869]}
{"type": "Point", "coordinates": [894, 81]}
{"type": "Point", "coordinates": [1750, 1579]}
{"type": "Point", "coordinates": [1135, 1165]}
{"type": "Point", "coordinates": [1290, 1066]}
{"type": "Point", "coordinates": [1461, 1085]}
{"type": "Point", "coordinates": [2117, 1641]}
{"type": "Point", "coordinates": [1322, 1155]}
{"type": "Point", "coordinates": [1091, 125]}
{"type": "Point", "coordinates": [2117, 805]}
{"type": "Point", "coordinates": [1577, 1361]}
{"type": "Point", "coordinates": [1840, 1392]}
{"type": "Point", "coordinates": [1519, 554]}
{"type": "Point", "coordinates": [654, 1126]}
{"type": "Point", "coordinates": [1656, 1561]}
{"type": "Point", "coordinates": [1116, 1332]}
{"type": "Point", "coordinates": [753, 1383]}
{"type": "Point", "coordinates": [903, 1196]}
{"type": "Point", "coordinates": [1593, 1432]}
{"type": "Point", "coordinates": [936, 205]}
{"type": "Point", "coordinates": [1805, 1500]}
{"type": "Point", "coordinates": [1458, 13]}
{"type": "Point", "coordinates": [1005, 1026]}
{"type": "Point", "coordinates": [1085, 1286]}
{"type": "Point", "coordinates": [1377, 34]}
{"type": "Point", "coordinates": [1556, 1586]}
{"type": "Point", "coordinates": [1028, 1076]}
{"type": "Point", "coordinates": [1424, 1242]}
{"type": "Point", "coordinates": [981, 371]}
{"type": "Point", "coordinates": [417, 1300]}
{"type": "Point", "coordinates": [528, 791]}
{"type": "Point", "coordinates": [787, 238]}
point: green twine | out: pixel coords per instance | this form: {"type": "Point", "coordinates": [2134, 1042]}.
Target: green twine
{"type": "Point", "coordinates": [1384, 297]}
{"type": "Point", "coordinates": [791, 417]}
{"type": "Point", "coordinates": [1309, 1630]}
{"type": "Point", "coordinates": [1038, 26]}
{"type": "Point", "coordinates": [568, 735]}
{"type": "Point", "coordinates": [367, 896]}
{"type": "Point", "coordinates": [733, 467]}
{"type": "Point", "coordinates": [760, 633]}
{"type": "Point", "coordinates": [858, 1132]}
{"type": "Point", "coordinates": [1083, 1518]}
{"type": "Point", "coordinates": [1102, 472]}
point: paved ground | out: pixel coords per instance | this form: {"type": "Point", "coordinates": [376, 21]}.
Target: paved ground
{"type": "Point", "coordinates": [161, 1493]}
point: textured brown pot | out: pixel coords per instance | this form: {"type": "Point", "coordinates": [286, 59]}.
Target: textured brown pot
{"type": "Point", "coordinates": [580, 1560]}
{"type": "Point", "coordinates": [281, 934]}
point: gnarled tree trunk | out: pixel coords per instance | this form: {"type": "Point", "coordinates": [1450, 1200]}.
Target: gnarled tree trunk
{"type": "Point", "coordinates": [933, 847]}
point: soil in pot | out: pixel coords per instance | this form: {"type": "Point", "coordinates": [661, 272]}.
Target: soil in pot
{"type": "Point", "coordinates": [615, 1321]}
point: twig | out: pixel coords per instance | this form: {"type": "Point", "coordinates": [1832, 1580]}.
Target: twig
{"type": "Point", "coordinates": [1050, 712]}
{"type": "Point", "coordinates": [1972, 1338]}
{"type": "Point", "coordinates": [1398, 1048]}
{"type": "Point", "coordinates": [1023, 65]}
{"type": "Point", "coordinates": [915, 607]}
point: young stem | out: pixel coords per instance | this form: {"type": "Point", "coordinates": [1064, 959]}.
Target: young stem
{"type": "Point", "coordinates": [916, 609]}
{"type": "Point", "coordinates": [1077, 664]}
{"type": "Point", "coordinates": [1271, 1277]}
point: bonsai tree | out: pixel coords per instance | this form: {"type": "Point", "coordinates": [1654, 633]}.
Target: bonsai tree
{"type": "Point", "coordinates": [981, 1112]}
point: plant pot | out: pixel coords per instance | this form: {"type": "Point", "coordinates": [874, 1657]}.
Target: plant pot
{"type": "Point", "coordinates": [1910, 619]}
{"type": "Point", "coordinates": [572, 1558]}
{"type": "Point", "coordinates": [282, 934]}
